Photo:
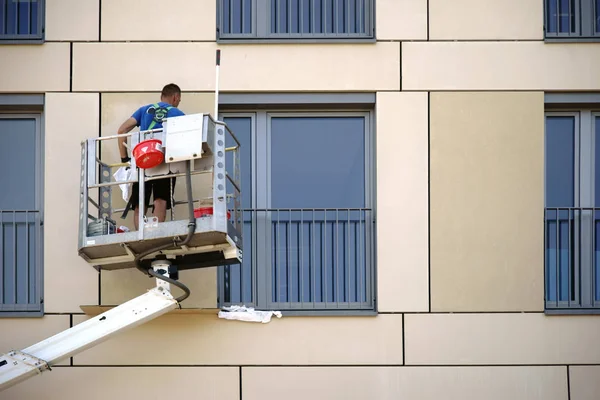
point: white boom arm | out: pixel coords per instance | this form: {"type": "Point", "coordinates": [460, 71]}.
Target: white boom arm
{"type": "Point", "coordinates": [17, 366]}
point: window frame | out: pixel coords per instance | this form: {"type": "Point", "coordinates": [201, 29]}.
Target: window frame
{"type": "Point", "coordinates": [261, 16]}
{"type": "Point", "coordinates": [15, 111]}
{"type": "Point", "coordinates": [261, 278]}
{"type": "Point", "coordinates": [583, 198]}
{"type": "Point", "coordinates": [39, 38]}
{"type": "Point", "coordinates": [585, 30]}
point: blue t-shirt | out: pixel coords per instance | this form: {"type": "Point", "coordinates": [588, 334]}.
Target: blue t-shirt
{"type": "Point", "coordinates": [143, 115]}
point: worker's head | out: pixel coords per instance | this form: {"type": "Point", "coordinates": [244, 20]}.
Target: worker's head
{"type": "Point", "coordinates": [171, 94]}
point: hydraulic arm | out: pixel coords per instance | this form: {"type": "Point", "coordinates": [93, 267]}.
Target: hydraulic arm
{"type": "Point", "coordinates": [19, 365]}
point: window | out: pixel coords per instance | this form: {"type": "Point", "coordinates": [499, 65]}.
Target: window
{"type": "Point", "coordinates": [295, 19]}
{"type": "Point", "coordinates": [20, 214]}
{"type": "Point", "coordinates": [21, 21]}
{"type": "Point", "coordinates": [572, 19]}
{"type": "Point", "coordinates": [572, 217]}
{"type": "Point", "coordinates": [307, 200]}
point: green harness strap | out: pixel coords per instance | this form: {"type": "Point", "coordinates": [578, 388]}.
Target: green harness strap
{"type": "Point", "coordinates": [159, 114]}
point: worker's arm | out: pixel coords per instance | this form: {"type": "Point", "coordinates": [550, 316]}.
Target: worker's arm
{"type": "Point", "coordinates": [125, 127]}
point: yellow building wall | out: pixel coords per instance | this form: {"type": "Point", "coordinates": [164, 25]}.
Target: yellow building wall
{"type": "Point", "coordinates": [459, 143]}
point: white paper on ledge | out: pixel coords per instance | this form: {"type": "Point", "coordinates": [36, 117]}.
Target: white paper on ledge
{"type": "Point", "coordinates": [247, 314]}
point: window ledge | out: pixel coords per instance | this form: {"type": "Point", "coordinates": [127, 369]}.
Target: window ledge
{"type": "Point", "coordinates": [572, 39]}
{"type": "Point", "coordinates": [572, 311]}
{"type": "Point", "coordinates": [297, 40]}
{"type": "Point", "coordinates": [21, 41]}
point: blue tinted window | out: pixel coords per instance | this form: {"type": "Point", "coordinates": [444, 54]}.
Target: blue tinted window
{"type": "Point", "coordinates": [237, 16]}
{"type": "Point", "coordinates": [318, 256]}
{"type": "Point", "coordinates": [308, 257]}
{"type": "Point", "coordinates": [241, 127]}
{"type": "Point", "coordinates": [560, 161]}
{"type": "Point", "coordinates": [560, 16]}
{"type": "Point", "coordinates": [19, 18]}
{"type": "Point", "coordinates": [17, 164]}
{"type": "Point", "coordinates": [596, 272]}
{"type": "Point", "coordinates": [19, 217]}
{"type": "Point", "coordinates": [552, 16]}
{"type": "Point", "coordinates": [318, 16]}
{"type": "Point", "coordinates": [597, 161]}
{"type": "Point", "coordinates": [597, 15]}
{"type": "Point", "coordinates": [317, 162]}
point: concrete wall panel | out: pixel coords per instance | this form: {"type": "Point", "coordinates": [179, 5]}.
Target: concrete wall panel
{"type": "Point", "coordinates": [403, 283]}
{"type": "Point", "coordinates": [75, 383]}
{"type": "Point", "coordinates": [401, 20]}
{"type": "Point", "coordinates": [490, 339]}
{"type": "Point", "coordinates": [206, 339]}
{"type": "Point", "coordinates": [585, 382]}
{"type": "Point", "coordinates": [20, 333]}
{"type": "Point", "coordinates": [75, 20]}
{"type": "Point", "coordinates": [486, 20]}
{"type": "Point", "coordinates": [391, 383]}
{"type": "Point", "coordinates": [137, 20]}
{"type": "Point", "coordinates": [69, 281]}
{"type": "Point", "coordinates": [487, 201]}
{"type": "Point", "coordinates": [500, 66]}
{"type": "Point", "coordinates": [260, 68]}
{"type": "Point", "coordinates": [28, 68]}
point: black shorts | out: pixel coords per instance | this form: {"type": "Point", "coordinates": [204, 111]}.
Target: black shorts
{"type": "Point", "coordinates": [160, 188]}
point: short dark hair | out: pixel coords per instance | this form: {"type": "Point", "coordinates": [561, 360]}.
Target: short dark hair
{"type": "Point", "coordinates": [170, 90]}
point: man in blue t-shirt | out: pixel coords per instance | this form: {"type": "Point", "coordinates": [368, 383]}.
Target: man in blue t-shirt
{"type": "Point", "coordinates": [150, 117]}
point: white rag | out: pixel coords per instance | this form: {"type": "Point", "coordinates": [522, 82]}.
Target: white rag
{"type": "Point", "coordinates": [123, 174]}
{"type": "Point", "coordinates": [247, 314]}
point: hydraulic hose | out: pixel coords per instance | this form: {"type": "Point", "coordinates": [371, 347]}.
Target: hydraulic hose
{"type": "Point", "coordinates": [191, 229]}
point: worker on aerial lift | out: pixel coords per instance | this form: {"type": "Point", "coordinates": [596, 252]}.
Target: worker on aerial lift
{"type": "Point", "coordinates": [149, 117]}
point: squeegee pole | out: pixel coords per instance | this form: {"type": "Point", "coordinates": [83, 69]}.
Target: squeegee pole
{"type": "Point", "coordinates": [216, 115]}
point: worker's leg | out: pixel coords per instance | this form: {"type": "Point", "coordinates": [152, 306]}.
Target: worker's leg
{"type": "Point", "coordinates": [160, 209]}
{"type": "Point", "coordinates": [162, 197]}
{"type": "Point", "coordinates": [135, 200]}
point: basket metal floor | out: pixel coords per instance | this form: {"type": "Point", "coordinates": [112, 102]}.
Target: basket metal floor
{"type": "Point", "coordinates": [206, 248]}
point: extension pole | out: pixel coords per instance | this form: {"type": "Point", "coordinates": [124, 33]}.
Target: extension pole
{"type": "Point", "coordinates": [216, 115]}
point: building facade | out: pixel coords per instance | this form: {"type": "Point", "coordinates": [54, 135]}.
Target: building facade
{"type": "Point", "coordinates": [418, 190]}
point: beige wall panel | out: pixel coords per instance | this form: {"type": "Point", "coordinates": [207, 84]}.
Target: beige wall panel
{"type": "Point", "coordinates": [72, 19]}
{"type": "Point", "coordinates": [486, 20]}
{"type": "Point", "coordinates": [30, 68]}
{"type": "Point", "coordinates": [585, 382]}
{"type": "Point", "coordinates": [528, 338]}
{"type": "Point", "coordinates": [403, 283]}
{"type": "Point", "coordinates": [20, 333]}
{"type": "Point", "coordinates": [70, 118]}
{"type": "Point", "coordinates": [500, 66]}
{"type": "Point", "coordinates": [487, 201]}
{"type": "Point", "coordinates": [183, 20]}
{"type": "Point", "coordinates": [120, 286]}
{"type": "Point", "coordinates": [76, 383]}
{"type": "Point", "coordinates": [244, 68]}
{"type": "Point", "coordinates": [117, 287]}
{"type": "Point", "coordinates": [206, 339]}
{"type": "Point", "coordinates": [401, 20]}
{"type": "Point", "coordinates": [392, 383]}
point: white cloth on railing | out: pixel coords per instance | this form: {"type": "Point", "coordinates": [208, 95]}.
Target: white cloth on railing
{"type": "Point", "coordinates": [247, 314]}
{"type": "Point", "coordinates": [124, 174]}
